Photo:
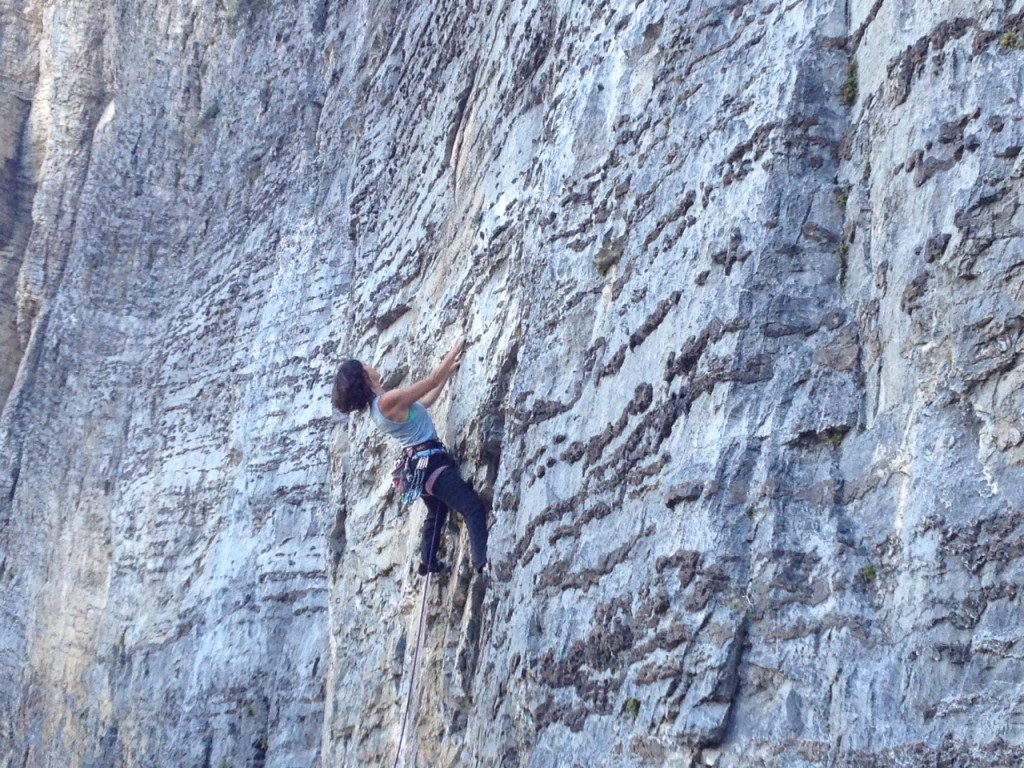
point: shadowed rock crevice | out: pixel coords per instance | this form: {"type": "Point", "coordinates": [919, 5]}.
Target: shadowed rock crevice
{"type": "Point", "coordinates": [17, 192]}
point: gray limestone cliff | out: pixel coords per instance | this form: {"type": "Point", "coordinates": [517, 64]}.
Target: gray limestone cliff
{"type": "Point", "coordinates": [742, 284]}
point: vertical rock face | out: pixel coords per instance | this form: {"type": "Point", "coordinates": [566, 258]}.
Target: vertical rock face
{"type": "Point", "coordinates": [742, 289]}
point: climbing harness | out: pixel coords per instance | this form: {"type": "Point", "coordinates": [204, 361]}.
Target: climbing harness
{"type": "Point", "coordinates": [410, 476]}
{"type": "Point", "coordinates": [420, 635]}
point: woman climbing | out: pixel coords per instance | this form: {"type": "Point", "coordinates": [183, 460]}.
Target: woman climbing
{"type": "Point", "coordinates": [429, 471]}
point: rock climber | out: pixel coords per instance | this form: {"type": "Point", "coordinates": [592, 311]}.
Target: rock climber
{"type": "Point", "coordinates": [427, 469]}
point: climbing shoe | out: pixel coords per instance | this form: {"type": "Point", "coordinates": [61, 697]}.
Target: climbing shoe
{"type": "Point", "coordinates": [436, 567]}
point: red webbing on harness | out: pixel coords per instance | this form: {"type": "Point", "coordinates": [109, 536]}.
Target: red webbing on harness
{"type": "Point", "coordinates": [428, 486]}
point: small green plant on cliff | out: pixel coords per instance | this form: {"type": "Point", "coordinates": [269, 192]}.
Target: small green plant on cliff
{"type": "Point", "coordinates": [751, 512]}
{"type": "Point", "coordinates": [236, 10]}
{"type": "Point", "coordinates": [848, 91]}
{"type": "Point", "coordinates": [632, 708]}
{"type": "Point", "coordinates": [869, 573]}
{"type": "Point", "coordinates": [1010, 39]}
{"type": "Point", "coordinates": [736, 604]}
{"type": "Point", "coordinates": [843, 252]}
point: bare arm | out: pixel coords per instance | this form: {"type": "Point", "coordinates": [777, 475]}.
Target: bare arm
{"type": "Point", "coordinates": [431, 397]}
{"type": "Point", "coordinates": [395, 403]}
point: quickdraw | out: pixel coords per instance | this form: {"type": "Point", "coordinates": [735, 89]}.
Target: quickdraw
{"type": "Point", "coordinates": [410, 474]}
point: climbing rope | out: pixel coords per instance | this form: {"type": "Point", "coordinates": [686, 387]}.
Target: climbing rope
{"type": "Point", "coordinates": [415, 663]}
{"type": "Point", "coordinates": [420, 635]}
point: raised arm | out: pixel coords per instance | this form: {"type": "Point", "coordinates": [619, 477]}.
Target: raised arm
{"type": "Point", "coordinates": [431, 397]}
{"type": "Point", "coordinates": [395, 403]}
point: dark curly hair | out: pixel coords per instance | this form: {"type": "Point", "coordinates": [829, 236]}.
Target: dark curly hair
{"type": "Point", "coordinates": [351, 390]}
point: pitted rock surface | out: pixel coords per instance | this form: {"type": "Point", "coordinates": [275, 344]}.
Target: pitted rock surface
{"type": "Point", "coordinates": [742, 287]}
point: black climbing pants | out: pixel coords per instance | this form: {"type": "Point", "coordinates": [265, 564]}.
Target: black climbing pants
{"type": "Point", "coordinates": [450, 491]}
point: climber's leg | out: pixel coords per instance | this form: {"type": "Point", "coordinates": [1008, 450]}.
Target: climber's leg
{"type": "Point", "coordinates": [430, 536]}
{"type": "Point", "coordinates": [455, 493]}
